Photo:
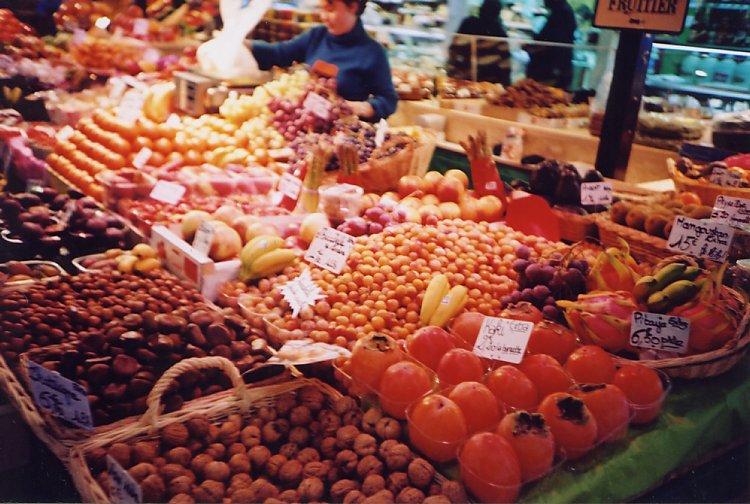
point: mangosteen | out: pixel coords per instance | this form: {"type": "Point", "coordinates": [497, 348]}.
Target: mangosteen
{"type": "Point", "coordinates": [28, 200]}
{"type": "Point", "coordinates": [544, 180]}
{"type": "Point", "coordinates": [593, 175]}
{"type": "Point", "coordinates": [31, 230]}
{"type": "Point", "coordinates": [568, 190]}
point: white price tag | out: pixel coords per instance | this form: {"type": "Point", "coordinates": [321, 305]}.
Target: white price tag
{"type": "Point", "coordinates": [34, 185]}
{"type": "Point", "coordinates": [122, 487]}
{"type": "Point", "coordinates": [168, 192]}
{"type": "Point", "coordinates": [659, 332]}
{"type": "Point", "coordinates": [725, 177]}
{"type": "Point", "coordinates": [173, 120]}
{"type": "Point", "coordinates": [380, 132]}
{"type": "Point", "coordinates": [140, 159]}
{"type": "Point", "coordinates": [79, 36]}
{"type": "Point", "coordinates": [301, 292]}
{"type": "Point", "coordinates": [330, 249]}
{"type": "Point", "coordinates": [596, 193]}
{"type": "Point", "coordinates": [733, 211]}
{"type": "Point", "coordinates": [503, 339]}
{"type": "Point", "coordinates": [290, 186]}
{"type": "Point", "coordinates": [117, 88]}
{"type": "Point", "coordinates": [306, 351]}
{"type": "Point", "coordinates": [700, 238]}
{"type": "Point", "coordinates": [203, 238]}
{"type": "Point", "coordinates": [65, 133]}
{"type": "Point", "coordinates": [63, 398]}
{"type": "Point", "coordinates": [140, 27]}
{"type": "Point", "coordinates": [151, 55]}
{"type": "Point", "coordinates": [317, 105]}
{"type": "Point", "coordinates": [131, 106]}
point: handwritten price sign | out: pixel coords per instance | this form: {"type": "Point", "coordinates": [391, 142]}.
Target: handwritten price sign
{"type": "Point", "coordinates": [659, 332]}
{"type": "Point", "coordinates": [317, 105]}
{"type": "Point", "coordinates": [725, 177]}
{"type": "Point", "coordinates": [63, 398]}
{"type": "Point", "coordinates": [168, 192]}
{"type": "Point", "coordinates": [122, 488]}
{"type": "Point", "coordinates": [503, 339]}
{"type": "Point", "coordinates": [596, 193]}
{"type": "Point", "coordinates": [330, 249]}
{"type": "Point", "coordinates": [204, 237]}
{"type": "Point", "coordinates": [733, 211]}
{"type": "Point", "coordinates": [700, 238]}
{"type": "Point", "coordinates": [290, 186]}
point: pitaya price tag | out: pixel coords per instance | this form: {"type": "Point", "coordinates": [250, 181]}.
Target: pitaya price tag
{"type": "Point", "coordinates": [301, 292]}
{"type": "Point", "coordinates": [700, 238]}
{"type": "Point", "coordinates": [725, 177]}
{"type": "Point", "coordinates": [290, 186]}
{"type": "Point", "coordinates": [34, 185]}
{"type": "Point", "coordinates": [380, 132]}
{"type": "Point", "coordinates": [733, 211]}
{"type": "Point", "coordinates": [79, 36]}
{"type": "Point", "coordinates": [63, 398]}
{"type": "Point", "coordinates": [306, 351]}
{"type": "Point", "coordinates": [65, 133]}
{"type": "Point", "coordinates": [596, 193]}
{"type": "Point", "coordinates": [140, 27]}
{"type": "Point", "coordinates": [330, 249]}
{"type": "Point", "coordinates": [503, 339]}
{"type": "Point", "coordinates": [168, 192]}
{"type": "Point", "coordinates": [131, 106]}
{"type": "Point", "coordinates": [317, 105]}
{"type": "Point", "coordinates": [140, 159]}
{"type": "Point", "coordinates": [203, 238]}
{"type": "Point", "coordinates": [659, 332]}
{"type": "Point", "coordinates": [122, 487]}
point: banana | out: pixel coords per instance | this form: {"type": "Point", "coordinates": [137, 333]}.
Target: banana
{"type": "Point", "coordinates": [272, 263]}
{"type": "Point", "coordinates": [691, 273]}
{"type": "Point", "coordinates": [259, 246]}
{"type": "Point", "coordinates": [644, 287]}
{"type": "Point", "coordinates": [450, 306]}
{"type": "Point", "coordinates": [658, 302]}
{"type": "Point", "coordinates": [436, 291]}
{"type": "Point", "coordinates": [127, 263]}
{"type": "Point", "coordinates": [669, 273]}
{"type": "Point", "coordinates": [680, 292]}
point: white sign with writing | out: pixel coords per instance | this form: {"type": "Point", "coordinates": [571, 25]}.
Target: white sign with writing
{"type": "Point", "coordinates": [63, 398]}
{"type": "Point", "coordinates": [665, 16]}
{"type": "Point", "coordinates": [503, 339]}
{"type": "Point", "coordinates": [65, 133]}
{"type": "Point", "coordinates": [659, 332]}
{"type": "Point", "coordinates": [733, 211]}
{"type": "Point", "coordinates": [140, 159]}
{"type": "Point", "coordinates": [317, 105]}
{"type": "Point", "coordinates": [725, 177]}
{"type": "Point", "coordinates": [596, 193]}
{"type": "Point", "coordinates": [700, 238]}
{"type": "Point", "coordinates": [122, 487]}
{"type": "Point", "coordinates": [330, 249]}
{"type": "Point", "coordinates": [301, 292]}
{"type": "Point", "coordinates": [140, 27]}
{"type": "Point", "coordinates": [168, 192]}
{"type": "Point", "coordinates": [204, 236]}
{"type": "Point", "coordinates": [290, 186]}
{"type": "Point", "coordinates": [131, 106]}
{"type": "Point", "coordinates": [307, 351]}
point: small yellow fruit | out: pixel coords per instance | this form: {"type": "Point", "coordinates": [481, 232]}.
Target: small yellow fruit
{"type": "Point", "coordinates": [146, 265]}
{"type": "Point", "coordinates": [144, 251]}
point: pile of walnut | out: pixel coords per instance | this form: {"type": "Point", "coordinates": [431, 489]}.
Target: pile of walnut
{"type": "Point", "coordinates": [299, 450]}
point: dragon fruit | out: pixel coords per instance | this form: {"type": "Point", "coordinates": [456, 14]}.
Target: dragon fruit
{"type": "Point", "coordinates": [614, 270]}
{"type": "Point", "coordinates": [601, 318]}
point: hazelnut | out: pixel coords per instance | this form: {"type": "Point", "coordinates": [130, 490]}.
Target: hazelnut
{"type": "Point", "coordinates": [388, 428]}
{"type": "Point", "coordinates": [299, 435]}
{"type": "Point", "coordinates": [420, 473]}
{"type": "Point", "coordinates": [229, 433]}
{"type": "Point", "coordinates": [174, 435]}
{"type": "Point", "coordinates": [291, 473]}
{"type": "Point", "coordinates": [315, 469]}
{"type": "Point", "coordinates": [198, 426]}
{"type": "Point", "coordinates": [213, 434]}
{"type": "Point", "coordinates": [306, 455]}
{"type": "Point", "coordinates": [170, 471]}
{"type": "Point", "coordinates": [179, 455]}
{"type": "Point", "coordinates": [284, 404]}
{"type": "Point", "coordinates": [370, 419]}
{"type": "Point", "coordinates": [209, 491]}
{"type": "Point", "coordinates": [152, 489]}
{"type": "Point", "coordinates": [289, 450]}
{"type": "Point", "coordinates": [195, 446]}
{"type": "Point", "coordinates": [217, 471]}
{"type": "Point", "coordinates": [250, 436]}
{"type": "Point", "coordinates": [236, 448]}
{"type": "Point", "coordinates": [267, 413]}
{"type": "Point", "coordinates": [289, 496]}
{"type": "Point", "coordinates": [216, 450]}
{"type": "Point", "coordinates": [310, 490]}
{"type": "Point", "coordinates": [381, 497]}
{"type": "Point", "coordinates": [239, 463]}
{"type": "Point", "coordinates": [121, 453]}
{"type": "Point", "coordinates": [410, 495]}
{"type": "Point", "coordinates": [311, 397]}
{"type": "Point", "coordinates": [199, 463]}
{"type": "Point", "coordinates": [240, 480]}
{"type": "Point", "coordinates": [263, 489]}
{"type": "Point", "coordinates": [398, 457]}
{"type": "Point", "coordinates": [437, 499]}
{"type": "Point", "coordinates": [455, 491]}
{"type": "Point", "coordinates": [243, 496]}
{"type": "Point", "coordinates": [372, 484]}
{"type": "Point", "coordinates": [160, 462]}
{"type": "Point", "coordinates": [397, 481]}
{"type": "Point", "coordinates": [370, 464]}
{"type": "Point", "coordinates": [300, 415]}
{"type": "Point", "coordinates": [346, 461]}
{"type": "Point", "coordinates": [141, 471]}
{"type": "Point", "coordinates": [341, 488]}
{"type": "Point", "coordinates": [272, 432]}
{"type": "Point", "coordinates": [352, 417]}
{"type": "Point", "coordinates": [364, 444]}
{"type": "Point", "coordinates": [354, 497]}
{"type": "Point", "coordinates": [328, 447]}
{"type": "Point", "coordinates": [182, 498]}
{"type": "Point", "coordinates": [386, 446]}
{"type": "Point", "coordinates": [259, 455]}
{"type": "Point", "coordinates": [345, 436]}
{"type": "Point", "coordinates": [180, 485]}
{"type": "Point", "coordinates": [274, 464]}
{"type": "Point", "coordinates": [329, 423]}
{"type": "Point", "coordinates": [97, 459]}
{"type": "Point", "coordinates": [344, 404]}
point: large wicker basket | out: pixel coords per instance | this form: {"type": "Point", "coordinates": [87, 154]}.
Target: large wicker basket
{"type": "Point", "coordinates": [643, 246]}
{"type": "Point", "coordinates": [574, 227]}
{"type": "Point", "coordinates": [707, 191]}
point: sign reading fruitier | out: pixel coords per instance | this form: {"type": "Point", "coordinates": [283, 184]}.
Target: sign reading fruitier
{"type": "Point", "coordinates": [664, 16]}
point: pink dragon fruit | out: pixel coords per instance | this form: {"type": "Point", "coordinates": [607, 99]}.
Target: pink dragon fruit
{"type": "Point", "coordinates": [614, 269]}
{"type": "Point", "coordinates": [601, 318]}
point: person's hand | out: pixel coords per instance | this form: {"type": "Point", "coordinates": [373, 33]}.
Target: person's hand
{"type": "Point", "coordinates": [361, 108]}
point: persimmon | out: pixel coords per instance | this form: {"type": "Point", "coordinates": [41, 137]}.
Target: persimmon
{"type": "Point", "coordinates": [513, 388]}
{"type": "Point", "coordinates": [533, 441]}
{"type": "Point", "coordinates": [489, 468]}
{"type": "Point", "coordinates": [610, 407]}
{"type": "Point", "coordinates": [459, 365]}
{"type": "Point", "coordinates": [591, 364]}
{"type": "Point", "coordinates": [371, 356]}
{"type": "Point", "coordinates": [571, 422]}
{"type": "Point", "coordinates": [403, 383]}
{"type": "Point", "coordinates": [428, 345]}
{"type": "Point", "coordinates": [547, 374]}
{"type": "Point", "coordinates": [553, 339]}
{"type": "Point", "coordinates": [479, 405]}
{"type": "Point", "coordinates": [644, 390]}
{"type": "Point", "coordinates": [466, 327]}
{"type": "Point", "coordinates": [436, 427]}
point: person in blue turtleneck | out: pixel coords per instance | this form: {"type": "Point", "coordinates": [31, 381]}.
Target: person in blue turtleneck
{"type": "Point", "coordinates": [364, 76]}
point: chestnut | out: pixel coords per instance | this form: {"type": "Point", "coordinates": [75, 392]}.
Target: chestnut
{"type": "Point", "coordinates": [124, 366]}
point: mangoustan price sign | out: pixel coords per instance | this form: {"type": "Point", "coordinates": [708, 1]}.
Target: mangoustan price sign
{"type": "Point", "coordinates": [664, 16]}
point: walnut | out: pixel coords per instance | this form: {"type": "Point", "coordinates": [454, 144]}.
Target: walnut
{"type": "Point", "coordinates": [230, 432]}
{"type": "Point", "coordinates": [259, 455]}
{"type": "Point", "coordinates": [291, 472]}
{"type": "Point", "coordinates": [372, 484]}
{"type": "Point", "coordinates": [420, 473]}
{"type": "Point", "coordinates": [398, 457]}
{"type": "Point", "coordinates": [145, 451]}
{"type": "Point", "coordinates": [381, 497]}
{"type": "Point", "coordinates": [284, 404]}
{"type": "Point", "coordinates": [236, 448]}
{"type": "Point", "coordinates": [152, 489]}
{"type": "Point", "coordinates": [346, 461]}
{"type": "Point", "coordinates": [397, 481]}
{"type": "Point", "coordinates": [306, 455]}
{"type": "Point", "coordinates": [311, 490]}
{"type": "Point", "coordinates": [314, 427]}
{"type": "Point", "coordinates": [250, 436]}
{"type": "Point", "coordinates": [437, 499]}
{"type": "Point", "coordinates": [435, 489]}
{"type": "Point", "coordinates": [315, 469]}
{"type": "Point", "coordinates": [329, 423]}
{"type": "Point", "coordinates": [352, 417]}
{"type": "Point", "coordinates": [344, 404]}
{"type": "Point", "coordinates": [195, 446]}
{"type": "Point", "coordinates": [171, 471]}
{"type": "Point", "coordinates": [386, 446]}
{"type": "Point", "coordinates": [258, 422]}
{"type": "Point", "coordinates": [263, 489]}
{"type": "Point", "coordinates": [267, 413]}
{"type": "Point", "coordinates": [354, 497]}
{"type": "Point", "coordinates": [388, 428]}
{"type": "Point", "coordinates": [198, 426]}
{"type": "Point", "coordinates": [272, 433]}
{"type": "Point", "coordinates": [345, 437]}
{"type": "Point", "coordinates": [311, 397]}
{"type": "Point", "coordinates": [289, 450]}
{"type": "Point", "coordinates": [328, 447]}
{"type": "Point", "coordinates": [365, 444]}
{"type": "Point", "coordinates": [174, 434]}
{"type": "Point", "coordinates": [217, 471]}
{"type": "Point", "coordinates": [160, 462]}
{"type": "Point", "coordinates": [141, 471]}
{"type": "Point", "coordinates": [239, 463]}
{"type": "Point", "coordinates": [213, 434]}
{"type": "Point", "coordinates": [216, 450]}
{"type": "Point", "coordinates": [370, 419]}
{"type": "Point", "coordinates": [289, 496]}
{"type": "Point", "coordinates": [299, 435]}
{"type": "Point", "coordinates": [182, 498]}
{"type": "Point", "coordinates": [180, 485]}
{"type": "Point", "coordinates": [240, 480]}
{"type": "Point", "coordinates": [273, 500]}
{"type": "Point", "coordinates": [341, 488]}
{"type": "Point", "coordinates": [179, 455]}
{"type": "Point", "coordinates": [410, 495]}
{"type": "Point", "coordinates": [300, 415]}
{"type": "Point", "coordinates": [208, 491]}
{"type": "Point", "coordinates": [199, 462]}
{"type": "Point", "coordinates": [333, 474]}
{"type": "Point", "coordinates": [243, 496]}
{"type": "Point", "coordinates": [370, 464]}
{"type": "Point", "coordinates": [273, 466]}
{"type": "Point", "coordinates": [236, 419]}
{"type": "Point", "coordinates": [455, 491]}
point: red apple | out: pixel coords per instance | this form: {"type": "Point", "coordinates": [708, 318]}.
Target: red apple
{"type": "Point", "coordinates": [490, 208]}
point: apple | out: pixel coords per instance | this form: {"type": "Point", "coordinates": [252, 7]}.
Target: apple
{"type": "Point", "coordinates": [432, 179]}
{"type": "Point", "coordinates": [310, 226]}
{"type": "Point", "coordinates": [191, 221]}
{"type": "Point", "coordinates": [409, 184]}
{"type": "Point", "coordinates": [226, 243]}
{"type": "Point", "coordinates": [469, 209]}
{"type": "Point", "coordinates": [242, 223]}
{"type": "Point", "coordinates": [260, 228]}
{"type": "Point", "coordinates": [428, 345]}
{"type": "Point", "coordinates": [430, 199]}
{"type": "Point", "coordinates": [227, 214]}
{"type": "Point", "coordinates": [412, 215]}
{"type": "Point", "coordinates": [411, 201]}
{"type": "Point", "coordinates": [368, 200]}
{"type": "Point", "coordinates": [450, 210]}
{"type": "Point", "coordinates": [458, 175]}
{"type": "Point", "coordinates": [450, 189]}
{"type": "Point", "coordinates": [490, 208]}
{"type": "Point", "coordinates": [427, 210]}
{"type": "Point", "coordinates": [393, 196]}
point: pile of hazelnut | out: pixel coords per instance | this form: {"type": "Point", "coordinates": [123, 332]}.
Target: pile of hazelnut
{"type": "Point", "coordinates": [301, 449]}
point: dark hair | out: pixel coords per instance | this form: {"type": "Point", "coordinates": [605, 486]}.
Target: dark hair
{"type": "Point", "coordinates": [362, 5]}
{"type": "Point", "coordinates": [490, 9]}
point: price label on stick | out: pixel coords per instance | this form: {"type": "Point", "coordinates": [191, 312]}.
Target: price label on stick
{"type": "Point", "coordinates": [306, 351]}
{"type": "Point", "coordinates": [596, 193]}
{"type": "Point", "coordinates": [34, 185]}
{"type": "Point", "coordinates": [122, 487]}
{"type": "Point", "coordinates": [733, 211]}
{"type": "Point", "coordinates": [65, 133]}
{"type": "Point", "coordinates": [503, 339]}
{"type": "Point", "coordinates": [380, 132]}
{"type": "Point", "coordinates": [659, 332]}
{"type": "Point", "coordinates": [700, 238]}
{"type": "Point", "coordinates": [143, 156]}
{"type": "Point", "coordinates": [301, 292]}
{"type": "Point", "coordinates": [203, 238]}
{"type": "Point", "coordinates": [725, 177]}
{"type": "Point", "coordinates": [131, 106]}
{"type": "Point", "coordinates": [63, 398]}
{"type": "Point", "coordinates": [317, 105]}
{"type": "Point", "coordinates": [290, 186]}
{"type": "Point", "coordinates": [330, 249]}
{"type": "Point", "coordinates": [168, 192]}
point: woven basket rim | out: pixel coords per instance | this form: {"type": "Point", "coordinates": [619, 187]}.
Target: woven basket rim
{"type": "Point", "coordinates": [702, 185]}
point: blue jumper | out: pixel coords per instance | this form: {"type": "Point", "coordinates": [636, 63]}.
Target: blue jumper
{"type": "Point", "coordinates": [364, 72]}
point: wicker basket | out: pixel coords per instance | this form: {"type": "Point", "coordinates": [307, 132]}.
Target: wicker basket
{"type": "Point", "coordinates": [574, 227]}
{"type": "Point", "coordinates": [382, 175]}
{"type": "Point", "coordinates": [643, 246]}
{"type": "Point", "coordinates": [707, 191]}
{"type": "Point", "coordinates": [217, 407]}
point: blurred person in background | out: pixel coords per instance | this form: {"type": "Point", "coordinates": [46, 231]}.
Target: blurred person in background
{"type": "Point", "coordinates": [554, 65]}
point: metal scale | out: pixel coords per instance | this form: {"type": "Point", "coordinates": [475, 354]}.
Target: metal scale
{"type": "Point", "coordinates": [197, 94]}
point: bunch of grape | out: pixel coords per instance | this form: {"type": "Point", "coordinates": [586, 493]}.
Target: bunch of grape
{"type": "Point", "coordinates": [544, 281]}
{"type": "Point", "coordinates": [374, 220]}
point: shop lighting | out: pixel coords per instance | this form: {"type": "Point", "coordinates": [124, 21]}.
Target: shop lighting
{"type": "Point", "coordinates": [701, 73]}
{"type": "Point", "coordinates": [706, 50]}
{"type": "Point", "coordinates": [102, 23]}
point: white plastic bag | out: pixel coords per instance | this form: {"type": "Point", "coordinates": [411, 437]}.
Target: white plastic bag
{"type": "Point", "coordinates": [226, 56]}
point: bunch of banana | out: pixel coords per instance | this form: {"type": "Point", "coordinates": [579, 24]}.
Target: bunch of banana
{"type": "Point", "coordinates": [264, 256]}
{"type": "Point", "coordinates": [141, 258]}
{"type": "Point", "coordinates": [441, 302]}
{"type": "Point", "coordinates": [671, 286]}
